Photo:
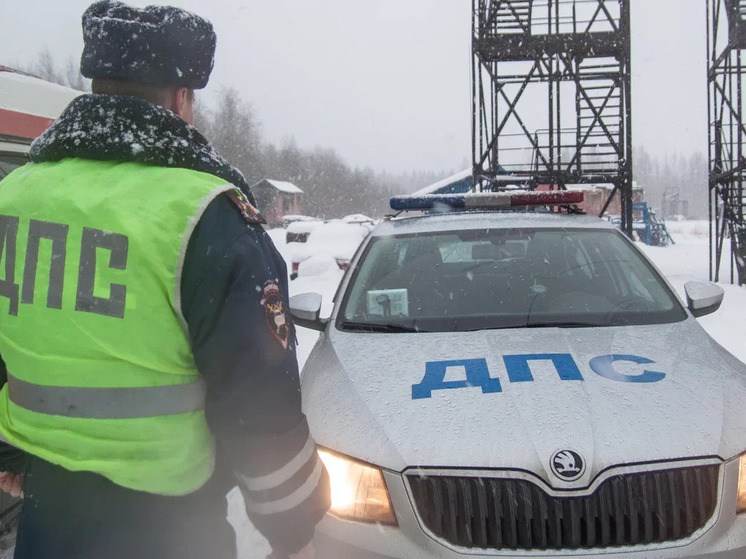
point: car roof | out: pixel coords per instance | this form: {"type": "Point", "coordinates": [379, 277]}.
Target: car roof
{"type": "Point", "coordinates": [424, 223]}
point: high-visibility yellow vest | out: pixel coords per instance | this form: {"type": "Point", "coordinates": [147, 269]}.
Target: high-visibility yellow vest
{"type": "Point", "coordinates": [101, 376]}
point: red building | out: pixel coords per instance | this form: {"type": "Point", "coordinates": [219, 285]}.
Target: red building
{"type": "Point", "coordinates": [276, 199]}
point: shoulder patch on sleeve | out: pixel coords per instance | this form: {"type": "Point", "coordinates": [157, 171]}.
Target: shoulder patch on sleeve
{"type": "Point", "coordinates": [275, 312]}
{"type": "Point", "coordinates": [250, 214]}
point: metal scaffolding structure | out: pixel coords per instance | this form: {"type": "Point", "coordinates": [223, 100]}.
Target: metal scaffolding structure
{"type": "Point", "coordinates": [726, 41]}
{"type": "Point", "coordinates": [551, 93]}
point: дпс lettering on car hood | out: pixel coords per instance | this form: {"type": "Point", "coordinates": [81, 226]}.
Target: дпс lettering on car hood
{"type": "Point", "coordinates": [513, 398]}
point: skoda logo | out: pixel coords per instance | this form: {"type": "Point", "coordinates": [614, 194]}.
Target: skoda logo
{"type": "Point", "coordinates": [567, 465]}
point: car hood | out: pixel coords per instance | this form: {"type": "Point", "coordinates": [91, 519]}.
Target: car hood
{"type": "Point", "coordinates": [359, 397]}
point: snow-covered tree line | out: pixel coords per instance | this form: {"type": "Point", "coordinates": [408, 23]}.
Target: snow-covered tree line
{"type": "Point", "coordinates": [332, 187]}
{"type": "Point", "coordinates": [675, 184]}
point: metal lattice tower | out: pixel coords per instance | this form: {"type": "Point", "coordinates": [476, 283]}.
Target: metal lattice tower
{"type": "Point", "coordinates": [726, 41]}
{"type": "Point", "coordinates": [552, 94]}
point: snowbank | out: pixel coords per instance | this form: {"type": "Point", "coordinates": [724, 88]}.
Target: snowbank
{"type": "Point", "coordinates": [689, 260]}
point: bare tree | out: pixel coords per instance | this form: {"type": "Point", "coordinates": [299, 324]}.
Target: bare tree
{"type": "Point", "coordinates": [202, 117]}
{"type": "Point", "coordinates": [332, 188]}
{"type": "Point", "coordinates": [73, 78]}
{"type": "Point", "coordinates": [47, 69]}
{"type": "Point", "coordinates": [45, 66]}
{"type": "Point", "coordinates": [234, 131]}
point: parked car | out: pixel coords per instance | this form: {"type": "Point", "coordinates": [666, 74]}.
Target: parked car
{"type": "Point", "coordinates": [28, 105]}
{"type": "Point", "coordinates": [298, 231]}
{"type": "Point", "coordinates": [336, 239]}
{"type": "Point", "coordinates": [492, 384]}
{"type": "Point", "coordinates": [292, 218]}
{"type": "Point", "coordinates": [359, 218]}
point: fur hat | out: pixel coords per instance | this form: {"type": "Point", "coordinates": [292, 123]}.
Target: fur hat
{"type": "Point", "coordinates": [157, 45]}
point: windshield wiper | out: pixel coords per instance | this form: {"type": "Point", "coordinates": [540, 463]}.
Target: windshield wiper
{"type": "Point", "coordinates": [564, 325]}
{"type": "Point", "coordinates": [377, 327]}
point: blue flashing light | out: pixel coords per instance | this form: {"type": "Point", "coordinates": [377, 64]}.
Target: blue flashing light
{"type": "Point", "coordinates": [428, 202]}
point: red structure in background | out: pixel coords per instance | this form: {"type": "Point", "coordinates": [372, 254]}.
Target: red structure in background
{"type": "Point", "coordinates": [21, 125]}
{"type": "Point", "coordinates": [595, 197]}
{"type": "Point", "coordinates": [28, 105]}
{"type": "Point", "coordinates": [277, 199]}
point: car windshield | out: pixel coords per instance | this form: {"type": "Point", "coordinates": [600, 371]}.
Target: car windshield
{"type": "Point", "coordinates": [504, 278]}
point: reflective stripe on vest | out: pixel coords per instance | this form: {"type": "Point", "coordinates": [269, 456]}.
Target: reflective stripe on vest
{"type": "Point", "coordinates": [107, 403]}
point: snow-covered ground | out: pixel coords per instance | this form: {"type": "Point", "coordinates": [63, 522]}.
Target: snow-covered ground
{"type": "Point", "coordinates": [688, 260]}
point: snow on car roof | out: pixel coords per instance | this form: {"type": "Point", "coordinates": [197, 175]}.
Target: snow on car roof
{"type": "Point", "coordinates": [339, 231]}
{"type": "Point", "coordinates": [30, 95]}
{"type": "Point", "coordinates": [357, 218]}
{"type": "Point", "coordinates": [486, 220]}
{"type": "Point", "coordinates": [304, 226]}
{"type": "Point", "coordinates": [299, 217]}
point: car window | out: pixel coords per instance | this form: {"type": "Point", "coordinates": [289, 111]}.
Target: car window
{"type": "Point", "coordinates": [499, 278]}
{"type": "Point", "coordinates": [10, 162]}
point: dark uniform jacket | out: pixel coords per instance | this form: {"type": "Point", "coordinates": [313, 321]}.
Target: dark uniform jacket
{"type": "Point", "coordinates": [245, 355]}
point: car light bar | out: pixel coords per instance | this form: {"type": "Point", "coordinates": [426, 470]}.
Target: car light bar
{"type": "Point", "coordinates": [486, 200]}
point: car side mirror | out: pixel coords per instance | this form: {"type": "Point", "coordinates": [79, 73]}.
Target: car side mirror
{"type": "Point", "coordinates": [306, 308]}
{"type": "Point", "coordinates": [703, 297]}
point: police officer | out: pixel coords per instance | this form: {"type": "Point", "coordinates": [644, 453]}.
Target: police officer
{"type": "Point", "coordinates": [144, 330]}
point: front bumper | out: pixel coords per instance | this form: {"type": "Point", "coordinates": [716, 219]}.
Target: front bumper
{"type": "Point", "coordinates": [723, 537]}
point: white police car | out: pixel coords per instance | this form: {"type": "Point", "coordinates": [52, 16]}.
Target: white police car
{"type": "Point", "coordinates": [522, 385]}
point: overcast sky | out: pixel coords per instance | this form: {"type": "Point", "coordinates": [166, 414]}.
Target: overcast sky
{"type": "Point", "coordinates": [386, 83]}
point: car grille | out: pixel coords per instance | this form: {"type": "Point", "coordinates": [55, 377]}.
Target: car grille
{"type": "Point", "coordinates": [625, 510]}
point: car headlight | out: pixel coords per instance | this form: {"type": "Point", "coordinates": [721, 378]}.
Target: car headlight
{"type": "Point", "coordinates": [358, 490]}
{"type": "Point", "coordinates": [742, 484]}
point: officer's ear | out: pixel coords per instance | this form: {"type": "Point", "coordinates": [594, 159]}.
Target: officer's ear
{"type": "Point", "coordinates": [183, 103]}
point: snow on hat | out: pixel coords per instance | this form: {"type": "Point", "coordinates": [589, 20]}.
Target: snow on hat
{"type": "Point", "coordinates": [157, 45]}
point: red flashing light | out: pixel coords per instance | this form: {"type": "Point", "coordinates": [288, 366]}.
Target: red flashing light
{"type": "Point", "coordinates": [549, 198]}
